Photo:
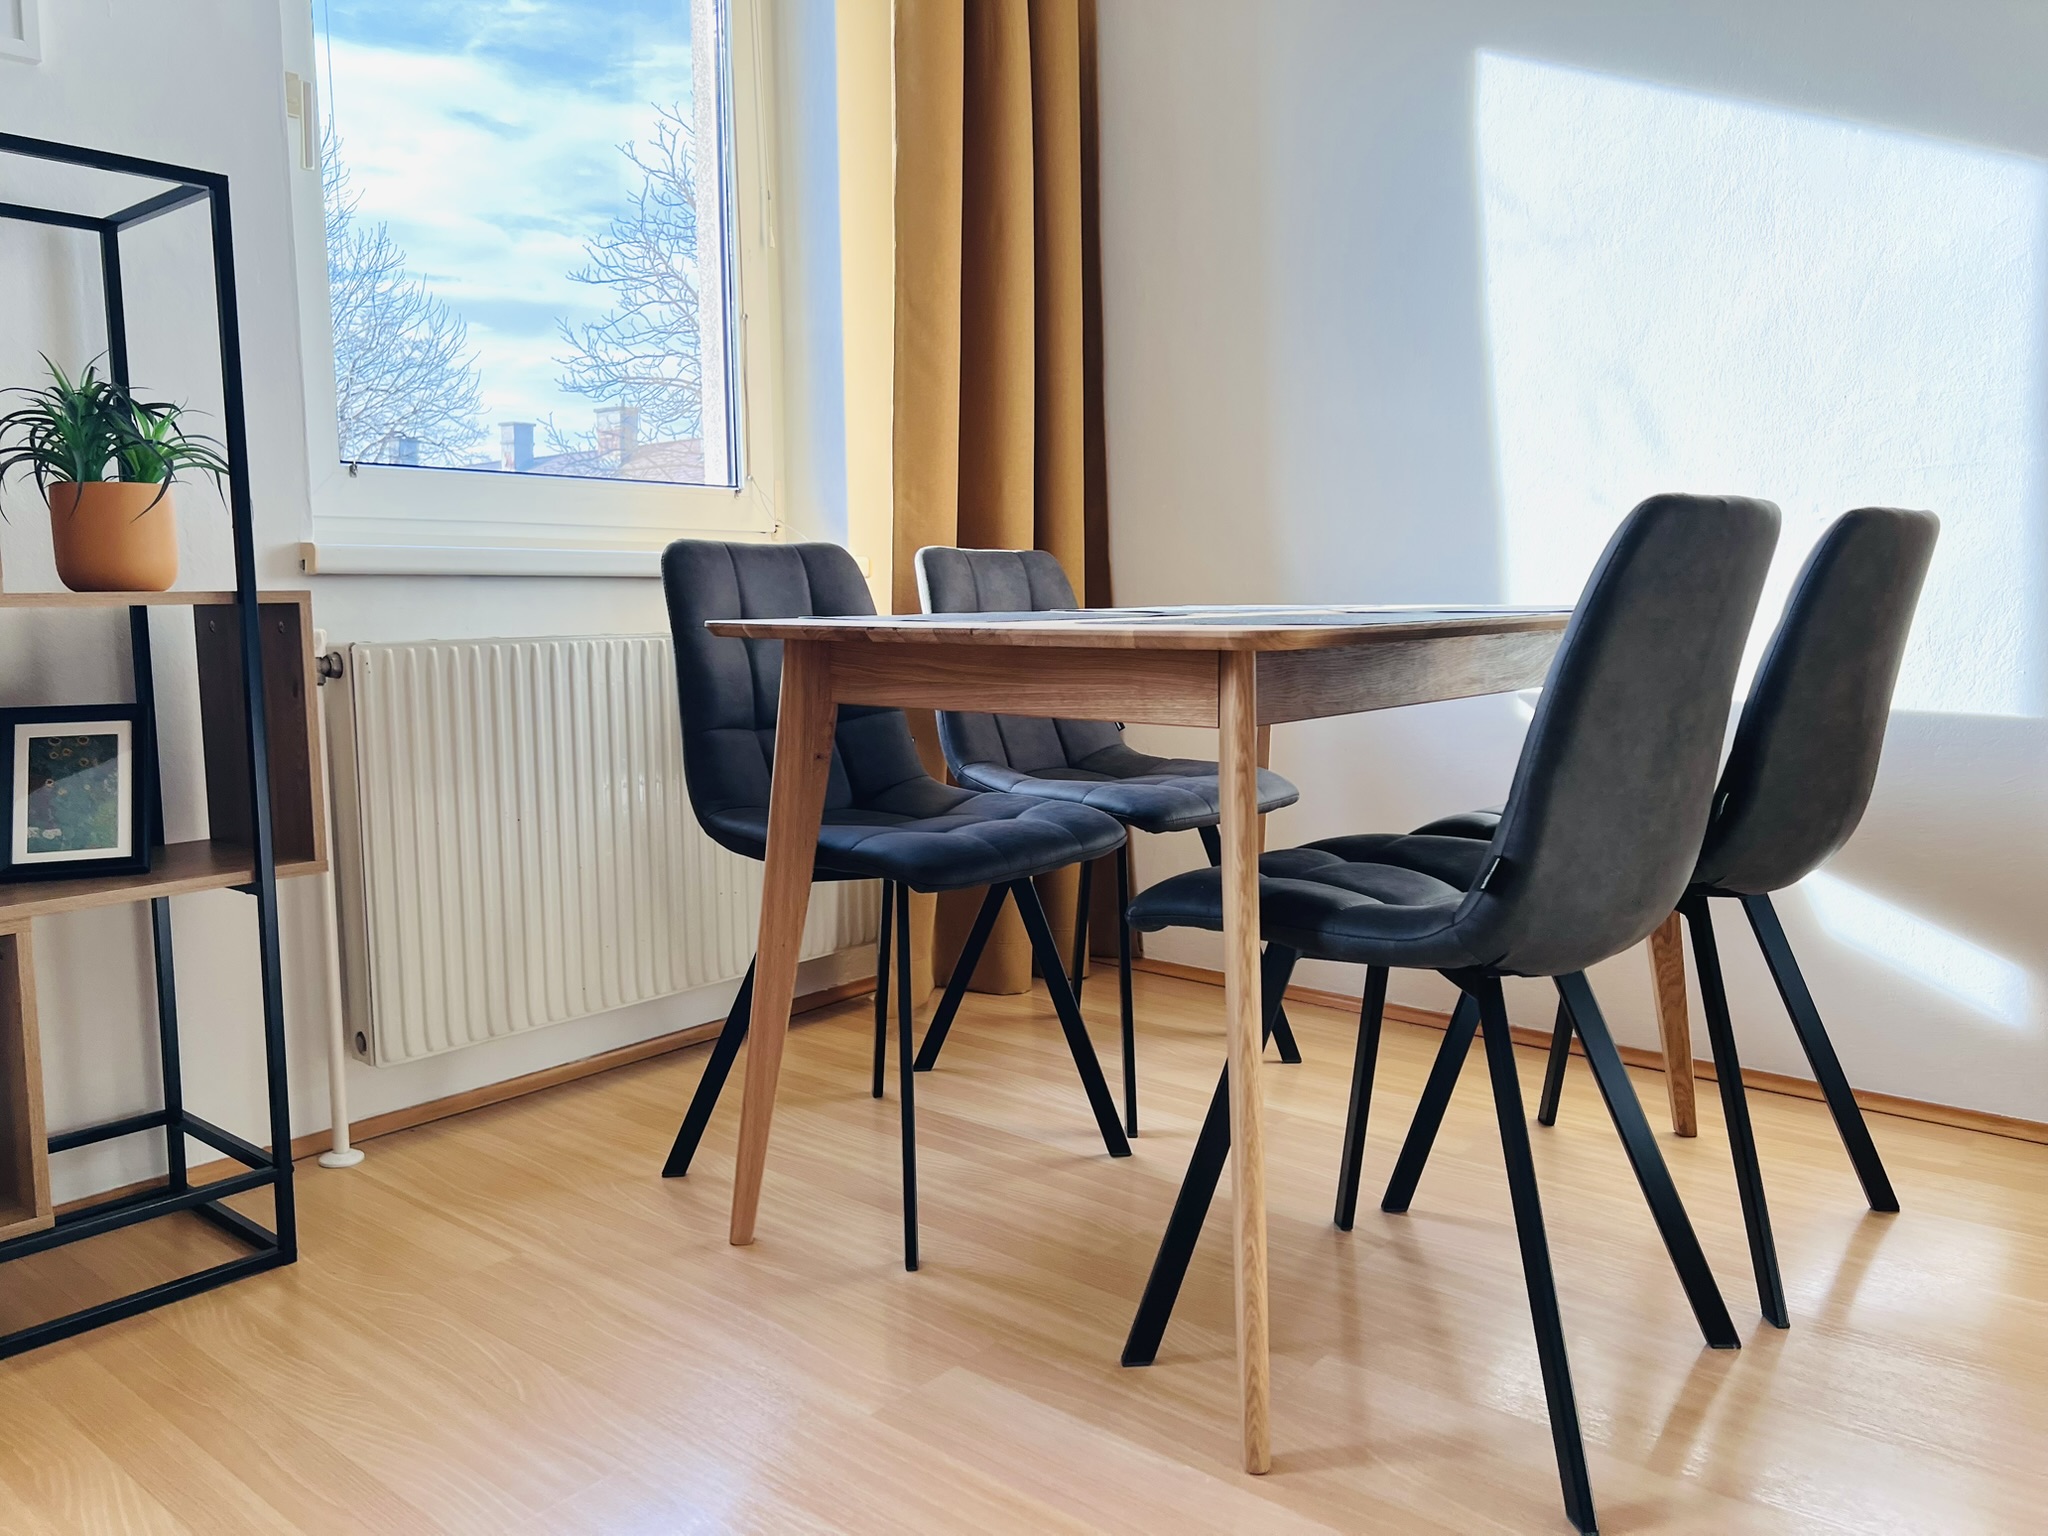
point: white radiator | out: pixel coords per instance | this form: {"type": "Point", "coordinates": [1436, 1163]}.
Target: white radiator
{"type": "Point", "coordinates": [515, 845]}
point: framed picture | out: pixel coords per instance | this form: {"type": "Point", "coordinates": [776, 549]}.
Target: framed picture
{"type": "Point", "coordinates": [19, 38]}
{"type": "Point", "coordinates": [77, 792]}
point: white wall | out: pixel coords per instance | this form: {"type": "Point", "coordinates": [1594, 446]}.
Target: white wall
{"type": "Point", "coordinates": [1411, 301]}
{"type": "Point", "coordinates": [201, 83]}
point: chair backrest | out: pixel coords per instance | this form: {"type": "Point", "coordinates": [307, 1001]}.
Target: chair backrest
{"type": "Point", "coordinates": [730, 690]}
{"type": "Point", "coordinates": [1806, 751]}
{"type": "Point", "coordinates": [1005, 581]}
{"type": "Point", "coordinates": [1609, 802]}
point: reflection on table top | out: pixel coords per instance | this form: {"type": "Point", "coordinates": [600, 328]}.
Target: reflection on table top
{"type": "Point", "coordinates": [1207, 627]}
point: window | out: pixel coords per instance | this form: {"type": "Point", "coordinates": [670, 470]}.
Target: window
{"type": "Point", "coordinates": [542, 273]}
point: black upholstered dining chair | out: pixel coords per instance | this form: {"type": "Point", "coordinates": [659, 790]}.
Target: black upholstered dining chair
{"type": "Point", "coordinates": [1076, 762]}
{"type": "Point", "coordinates": [1794, 789]}
{"type": "Point", "coordinates": [885, 818]}
{"type": "Point", "coordinates": [1604, 820]}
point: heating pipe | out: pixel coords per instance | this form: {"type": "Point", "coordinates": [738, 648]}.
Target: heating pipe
{"type": "Point", "coordinates": [331, 668]}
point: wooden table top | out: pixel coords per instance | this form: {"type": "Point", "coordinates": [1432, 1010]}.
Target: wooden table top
{"type": "Point", "coordinates": [1192, 627]}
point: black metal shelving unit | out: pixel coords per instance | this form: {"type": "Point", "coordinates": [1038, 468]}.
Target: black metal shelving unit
{"type": "Point", "coordinates": [179, 188]}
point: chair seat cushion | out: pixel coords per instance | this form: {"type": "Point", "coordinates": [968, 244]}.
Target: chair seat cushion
{"type": "Point", "coordinates": [1479, 824]}
{"type": "Point", "coordinates": [942, 839]}
{"type": "Point", "coordinates": [1153, 794]}
{"type": "Point", "coordinates": [1380, 899]}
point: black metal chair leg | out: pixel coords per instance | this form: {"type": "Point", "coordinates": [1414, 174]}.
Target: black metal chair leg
{"type": "Point", "coordinates": [1283, 1038]}
{"type": "Point", "coordinates": [1079, 973]}
{"type": "Point", "coordinates": [1183, 1230]}
{"type": "Point", "coordinates": [1123, 983]}
{"type": "Point", "coordinates": [1197, 1189]}
{"type": "Point", "coordinates": [1749, 1177]}
{"type": "Point", "coordinates": [882, 984]}
{"type": "Point", "coordinates": [907, 1074]}
{"type": "Point", "coordinates": [1282, 1032]}
{"type": "Point", "coordinates": [1370, 1008]}
{"type": "Point", "coordinates": [1536, 1271]}
{"type": "Point", "coordinates": [1553, 1070]}
{"type": "Point", "coordinates": [712, 1083]}
{"type": "Point", "coordinates": [1640, 1142]}
{"type": "Point", "coordinates": [1063, 1004]}
{"type": "Point", "coordinates": [963, 972]}
{"type": "Point", "coordinates": [1820, 1053]}
{"type": "Point", "coordinates": [1429, 1111]}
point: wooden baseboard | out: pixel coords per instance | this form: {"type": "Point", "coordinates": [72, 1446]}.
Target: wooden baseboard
{"type": "Point", "coordinates": [491, 1093]}
{"type": "Point", "coordinates": [534, 1082]}
{"type": "Point", "coordinates": [1765, 1082]}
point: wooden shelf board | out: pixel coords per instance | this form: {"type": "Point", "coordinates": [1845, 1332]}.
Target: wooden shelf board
{"type": "Point", "coordinates": [18, 1221]}
{"type": "Point", "coordinates": [179, 868]}
{"type": "Point", "coordinates": [109, 599]}
{"type": "Point", "coordinates": [131, 599]}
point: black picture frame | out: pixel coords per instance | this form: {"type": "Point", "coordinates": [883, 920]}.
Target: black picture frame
{"type": "Point", "coordinates": [133, 794]}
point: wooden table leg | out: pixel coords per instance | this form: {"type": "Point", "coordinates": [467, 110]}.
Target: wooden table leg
{"type": "Point", "coordinates": [1238, 717]}
{"type": "Point", "coordinates": [1265, 761]}
{"type": "Point", "coordinates": [803, 762]}
{"type": "Point", "coordinates": [1667, 972]}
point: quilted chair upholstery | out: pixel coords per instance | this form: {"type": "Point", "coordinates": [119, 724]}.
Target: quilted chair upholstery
{"type": "Point", "coordinates": [1602, 825]}
{"type": "Point", "coordinates": [1610, 799]}
{"type": "Point", "coordinates": [1804, 761]}
{"type": "Point", "coordinates": [1073, 762]}
{"type": "Point", "coordinates": [1080, 761]}
{"type": "Point", "coordinates": [1794, 789]}
{"type": "Point", "coordinates": [885, 817]}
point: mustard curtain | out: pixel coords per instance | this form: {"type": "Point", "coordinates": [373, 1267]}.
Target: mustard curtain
{"type": "Point", "coordinates": [997, 438]}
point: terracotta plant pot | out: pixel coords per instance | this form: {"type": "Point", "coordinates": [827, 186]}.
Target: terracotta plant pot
{"type": "Point", "coordinates": [110, 539]}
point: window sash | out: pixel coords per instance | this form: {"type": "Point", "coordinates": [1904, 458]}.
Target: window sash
{"type": "Point", "coordinates": [387, 518]}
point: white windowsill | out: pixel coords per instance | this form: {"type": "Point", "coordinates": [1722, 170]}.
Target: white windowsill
{"type": "Point", "coordinates": [343, 559]}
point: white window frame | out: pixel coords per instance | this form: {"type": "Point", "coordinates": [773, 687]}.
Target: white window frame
{"type": "Point", "coordinates": [374, 519]}
{"type": "Point", "coordinates": [19, 36]}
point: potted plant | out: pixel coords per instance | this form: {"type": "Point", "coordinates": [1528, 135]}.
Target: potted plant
{"type": "Point", "coordinates": [104, 461]}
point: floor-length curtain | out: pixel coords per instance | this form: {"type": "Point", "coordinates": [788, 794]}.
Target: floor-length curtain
{"type": "Point", "coordinates": [997, 438]}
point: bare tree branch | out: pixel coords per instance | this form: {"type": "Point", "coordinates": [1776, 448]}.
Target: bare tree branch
{"type": "Point", "coordinates": [402, 364]}
{"type": "Point", "coordinates": [646, 351]}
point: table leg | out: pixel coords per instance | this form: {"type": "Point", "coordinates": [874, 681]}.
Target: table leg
{"type": "Point", "coordinates": [803, 762]}
{"type": "Point", "coordinates": [1667, 972]}
{"type": "Point", "coordinates": [1265, 761]}
{"type": "Point", "coordinates": [1238, 718]}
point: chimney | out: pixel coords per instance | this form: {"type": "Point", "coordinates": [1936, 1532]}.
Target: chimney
{"type": "Point", "coordinates": [618, 430]}
{"type": "Point", "coordinates": [408, 451]}
{"type": "Point", "coordinates": [517, 439]}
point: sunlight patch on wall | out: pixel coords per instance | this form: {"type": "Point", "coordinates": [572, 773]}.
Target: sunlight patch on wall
{"type": "Point", "coordinates": [1691, 293]}
{"type": "Point", "coordinates": [1987, 983]}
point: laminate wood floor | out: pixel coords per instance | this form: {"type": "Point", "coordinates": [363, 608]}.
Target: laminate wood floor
{"type": "Point", "coordinates": [507, 1323]}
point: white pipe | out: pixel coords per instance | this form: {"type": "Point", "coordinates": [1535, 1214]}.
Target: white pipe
{"type": "Point", "coordinates": [342, 1155]}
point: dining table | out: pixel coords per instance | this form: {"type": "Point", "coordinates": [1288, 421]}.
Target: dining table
{"type": "Point", "coordinates": [1233, 669]}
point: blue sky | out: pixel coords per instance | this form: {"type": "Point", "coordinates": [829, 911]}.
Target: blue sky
{"type": "Point", "coordinates": [535, 42]}
{"type": "Point", "coordinates": [485, 133]}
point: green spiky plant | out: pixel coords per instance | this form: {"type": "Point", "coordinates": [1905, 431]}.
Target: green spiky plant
{"type": "Point", "coordinates": [92, 429]}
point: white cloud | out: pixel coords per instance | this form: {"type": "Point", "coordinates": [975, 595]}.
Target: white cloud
{"type": "Point", "coordinates": [492, 187]}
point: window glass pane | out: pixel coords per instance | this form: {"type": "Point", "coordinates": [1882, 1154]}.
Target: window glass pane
{"type": "Point", "coordinates": [527, 236]}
